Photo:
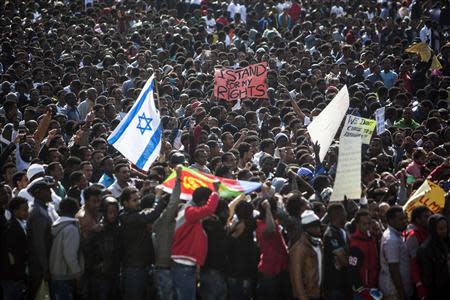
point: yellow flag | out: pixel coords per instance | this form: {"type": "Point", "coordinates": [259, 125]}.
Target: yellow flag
{"type": "Point", "coordinates": [420, 49]}
{"type": "Point", "coordinates": [429, 194]}
{"type": "Point", "coordinates": [424, 51]}
{"type": "Point", "coordinates": [436, 64]}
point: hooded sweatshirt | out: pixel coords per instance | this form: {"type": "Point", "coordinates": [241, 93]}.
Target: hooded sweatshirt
{"type": "Point", "coordinates": [66, 259]}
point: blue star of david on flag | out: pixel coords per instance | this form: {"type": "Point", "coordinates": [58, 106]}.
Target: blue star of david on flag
{"type": "Point", "coordinates": [139, 134]}
{"type": "Point", "coordinates": [146, 122]}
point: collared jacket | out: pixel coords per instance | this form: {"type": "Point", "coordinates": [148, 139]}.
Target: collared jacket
{"type": "Point", "coordinates": [363, 261]}
{"type": "Point", "coordinates": [13, 251]}
{"type": "Point", "coordinates": [190, 241]}
{"type": "Point", "coordinates": [66, 258]}
{"type": "Point", "coordinates": [304, 269]}
{"type": "Point", "coordinates": [39, 238]}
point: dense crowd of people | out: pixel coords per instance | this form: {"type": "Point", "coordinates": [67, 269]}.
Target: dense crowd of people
{"type": "Point", "coordinates": [79, 221]}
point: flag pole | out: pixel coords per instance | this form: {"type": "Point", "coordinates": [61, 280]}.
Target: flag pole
{"type": "Point", "coordinates": [157, 94]}
{"type": "Point", "coordinates": [162, 154]}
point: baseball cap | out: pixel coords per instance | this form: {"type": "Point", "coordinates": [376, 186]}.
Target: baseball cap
{"type": "Point", "coordinates": [305, 172]}
{"type": "Point", "coordinates": [308, 217]}
{"type": "Point", "coordinates": [43, 182]}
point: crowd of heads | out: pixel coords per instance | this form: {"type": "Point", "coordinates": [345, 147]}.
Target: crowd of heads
{"type": "Point", "coordinates": [70, 71]}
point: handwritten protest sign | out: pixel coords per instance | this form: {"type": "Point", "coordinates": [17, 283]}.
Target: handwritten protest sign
{"type": "Point", "coordinates": [379, 117]}
{"type": "Point", "coordinates": [357, 126]}
{"type": "Point", "coordinates": [323, 128]}
{"type": "Point", "coordinates": [234, 84]}
{"type": "Point", "coordinates": [429, 194]}
{"type": "Point", "coordinates": [348, 172]}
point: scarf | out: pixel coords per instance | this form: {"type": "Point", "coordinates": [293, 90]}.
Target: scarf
{"type": "Point", "coordinates": [315, 242]}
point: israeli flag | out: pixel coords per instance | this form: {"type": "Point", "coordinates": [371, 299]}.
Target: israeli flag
{"type": "Point", "coordinates": [138, 135]}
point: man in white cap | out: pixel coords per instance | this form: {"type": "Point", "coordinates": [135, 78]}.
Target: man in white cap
{"type": "Point", "coordinates": [306, 257]}
{"type": "Point", "coordinates": [34, 173]}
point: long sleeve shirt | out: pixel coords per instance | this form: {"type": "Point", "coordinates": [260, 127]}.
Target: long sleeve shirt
{"type": "Point", "coordinates": [164, 227]}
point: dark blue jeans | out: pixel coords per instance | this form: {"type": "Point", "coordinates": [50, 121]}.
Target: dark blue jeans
{"type": "Point", "coordinates": [183, 277]}
{"type": "Point", "coordinates": [240, 289]}
{"type": "Point", "coordinates": [12, 290]}
{"type": "Point", "coordinates": [134, 280]}
{"type": "Point", "coordinates": [213, 285]}
{"type": "Point", "coordinates": [63, 289]}
{"type": "Point", "coordinates": [164, 283]}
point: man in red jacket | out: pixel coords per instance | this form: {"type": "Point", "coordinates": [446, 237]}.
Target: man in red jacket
{"type": "Point", "coordinates": [363, 258]}
{"type": "Point", "coordinates": [416, 234]}
{"type": "Point", "coordinates": [190, 243]}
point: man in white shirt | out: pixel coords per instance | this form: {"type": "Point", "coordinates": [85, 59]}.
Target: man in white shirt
{"type": "Point", "coordinates": [242, 11]}
{"type": "Point", "coordinates": [122, 172]}
{"type": "Point", "coordinates": [232, 9]}
{"type": "Point", "coordinates": [86, 105]}
{"type": "Point", "coordinates": [425, 33]}
{"type": "Point", "coordinates": [283, 5]}
{"type": "Point", "coordinates": [210, 22]}
{"type": "Point", "coordinates": [337, 10]}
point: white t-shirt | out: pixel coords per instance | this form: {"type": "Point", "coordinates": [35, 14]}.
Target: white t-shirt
{"type": "Point", "coordinates": [243, 12]}
{"type": "Point", "coordinates": [283, 5]}
{"type": "Point", "coordinates": [425, 35]}
{"type": "Point", "coordinates": [337, 10]}
{"type": "Point", "coordinates": [210, 24]}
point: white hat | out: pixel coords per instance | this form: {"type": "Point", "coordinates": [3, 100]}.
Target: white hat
{"type": "Point", "coordinates": [34, 169]}
{"type": "Point", "coordinates": [308, 217]}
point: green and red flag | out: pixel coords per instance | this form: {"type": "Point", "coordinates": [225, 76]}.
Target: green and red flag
{"type": "Point", "coordinates": [192, 179]}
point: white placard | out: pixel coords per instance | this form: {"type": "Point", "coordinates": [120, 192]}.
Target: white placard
{"type": "Point", "coordinates": [379, 116]}
{"type": "Point", "coordinates": [357, 126]}
{"type": "Point", "coordinates": [323, 128]}
{"type": "Point", "coordinates": [348, 173]}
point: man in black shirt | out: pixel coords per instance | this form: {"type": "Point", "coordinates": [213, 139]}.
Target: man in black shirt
{"type": "Point", "coordinates": [212, 276]}
{"type": "Point", "coordinates": [336, 254]}
{"type": "Point", "coordinates": [136, 242]}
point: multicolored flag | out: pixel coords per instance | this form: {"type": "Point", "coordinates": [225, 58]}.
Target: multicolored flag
{"type": "Point", "coordinates": [192, 179]}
